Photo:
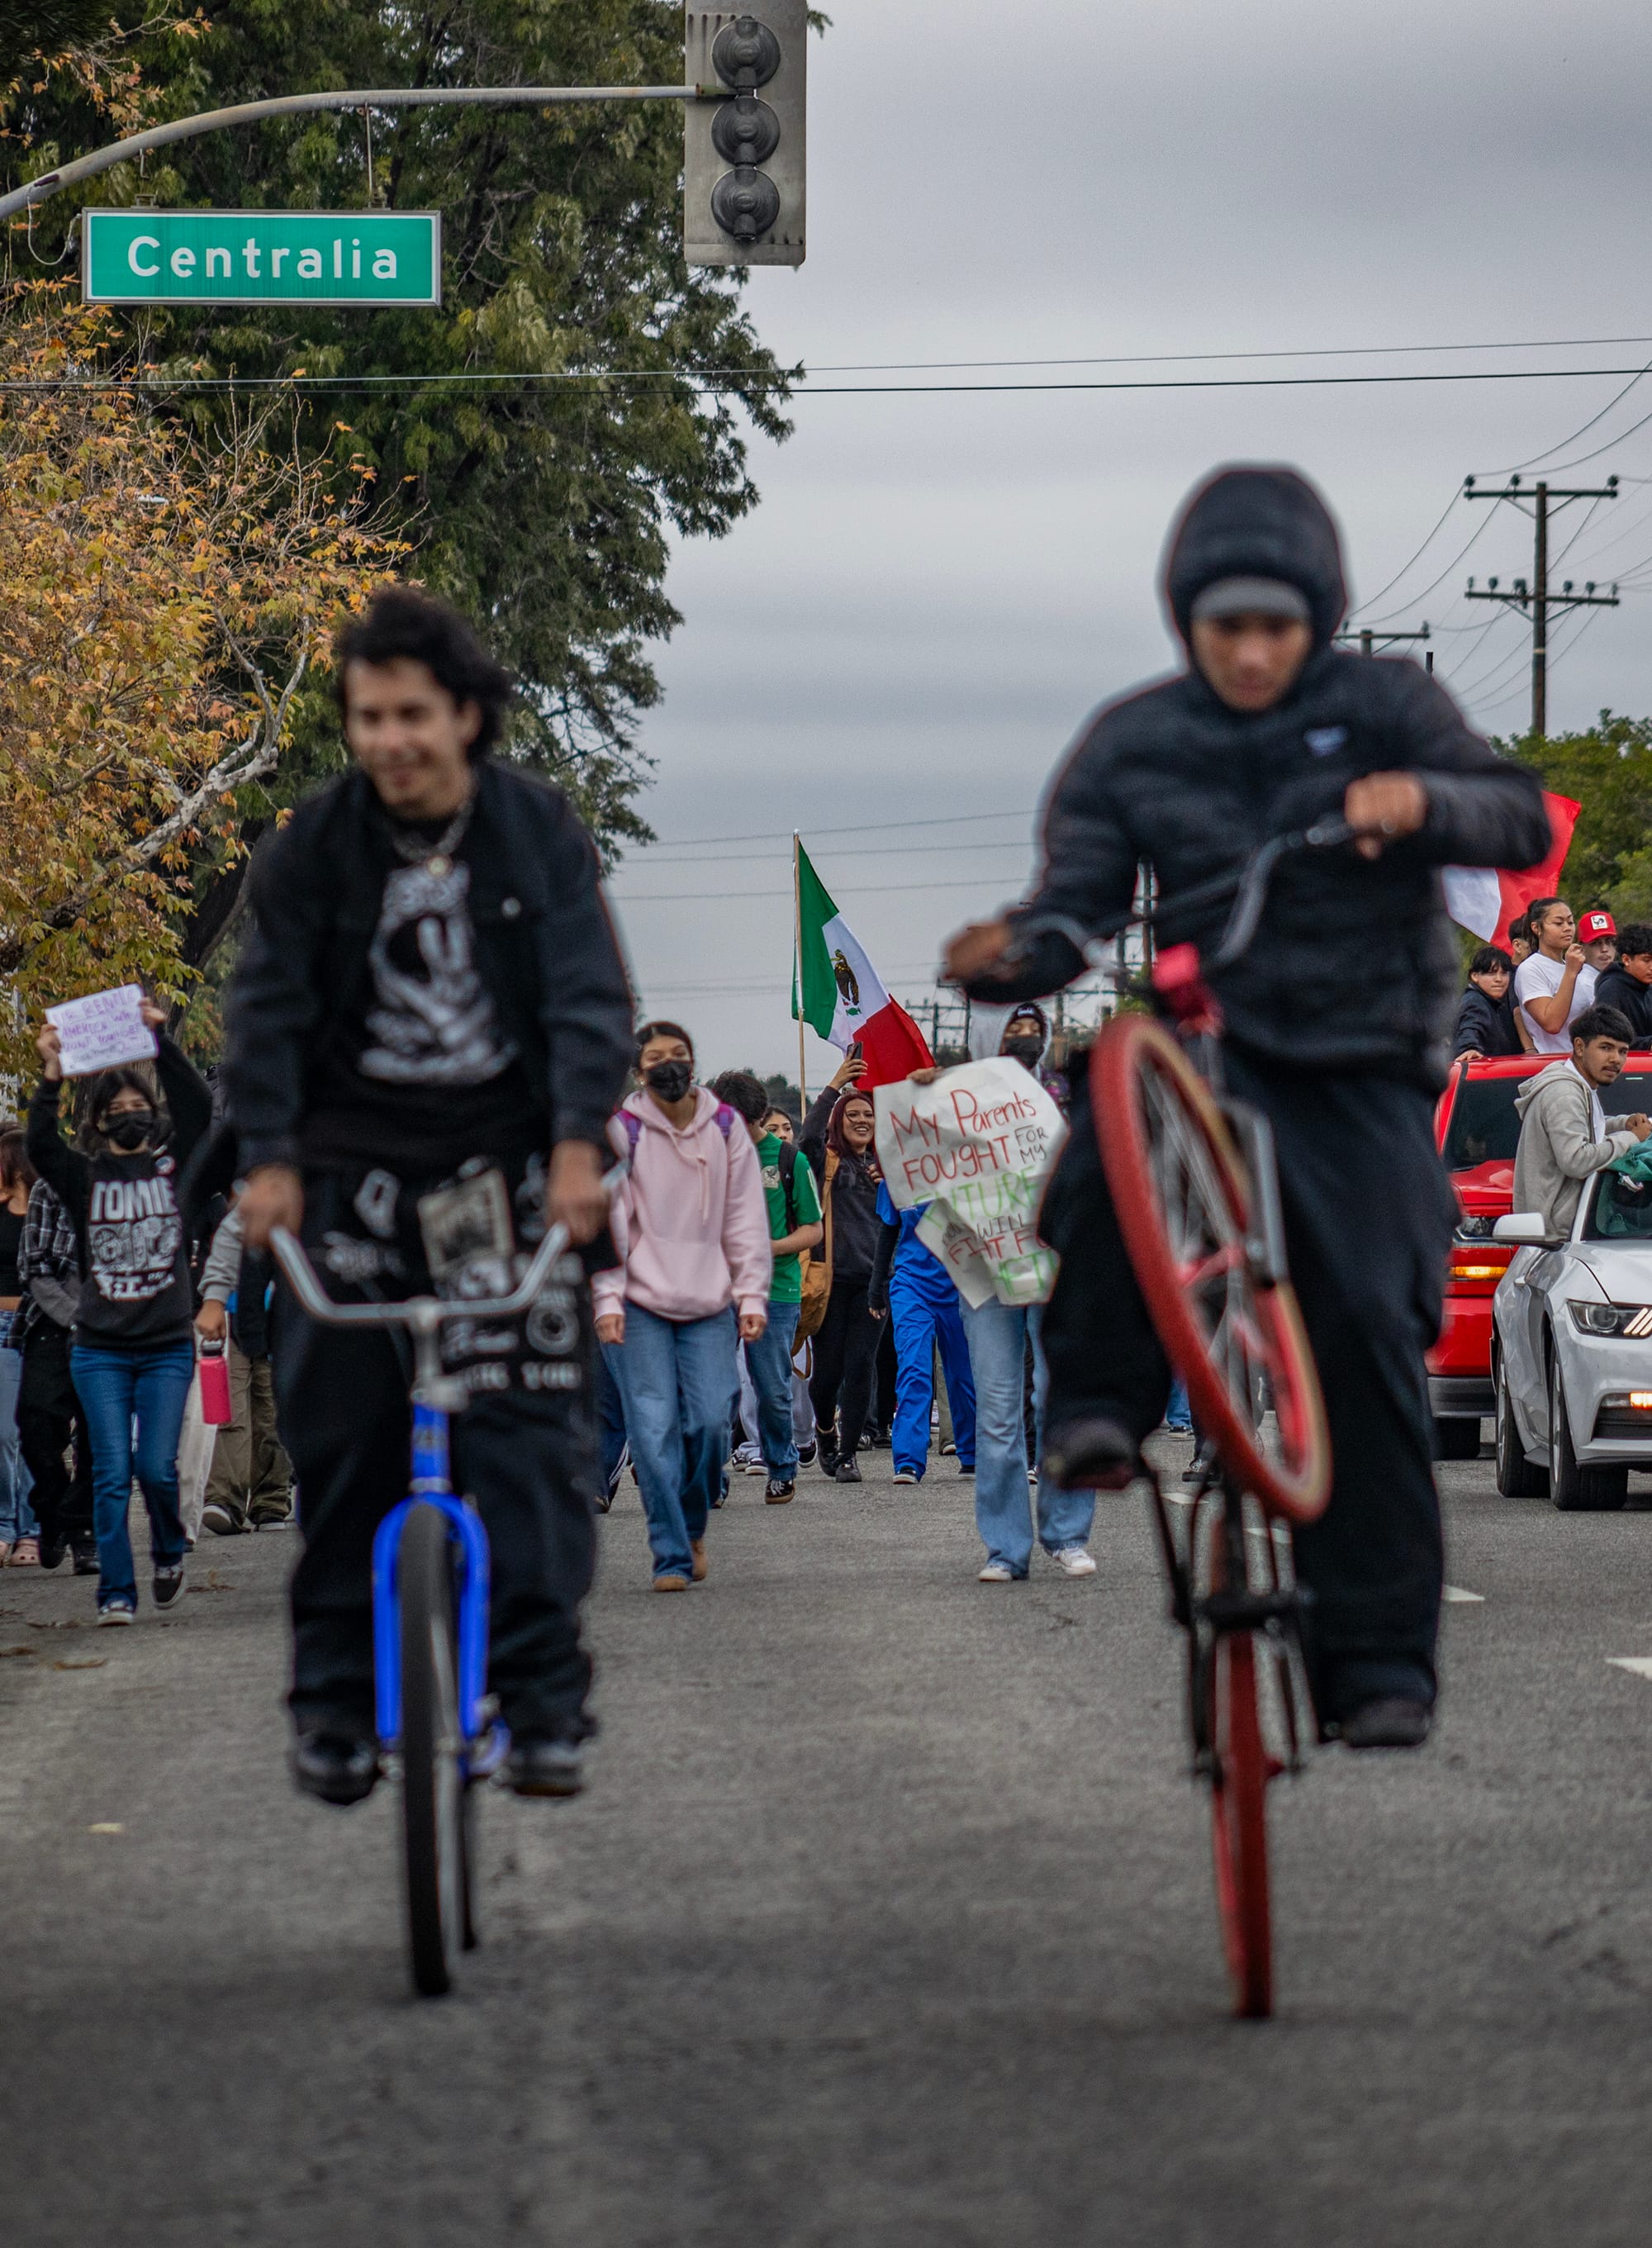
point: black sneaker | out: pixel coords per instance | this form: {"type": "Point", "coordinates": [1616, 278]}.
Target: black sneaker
{"type": "Point", "coordinates": [167, 1583]}
{"type": "Point", "coordinates": [778, 1493]}
{"type": "Point", "coordinates": [539, 1765]}
{"type": "Point", "coordinates": [334, 1767]}
{"type": "Point", "coordinates": [848, 1471]}
{"type": "Point", "coordinates": [53, 1548]}
{"type": "Point", "coordinates": [805, 1454]}
{"type": "Point", "coordinates": [85, 1557]}
{"type": "Point", "coordinates": [1390, 1721]}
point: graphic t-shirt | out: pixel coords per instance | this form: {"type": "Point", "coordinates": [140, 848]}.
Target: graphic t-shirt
{"type": "Point", "coordinates": [786, 1287]}
{"type": "Point", "coordinates": [426, 1076]}
{"type": "Point", "coordinates": [136, 1294]}
{"type": "Point", "coordinates": [1539, 979]}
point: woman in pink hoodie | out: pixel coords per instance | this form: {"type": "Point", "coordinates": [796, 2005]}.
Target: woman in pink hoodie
{"type": "Point", "coordinates": [691, 1225]}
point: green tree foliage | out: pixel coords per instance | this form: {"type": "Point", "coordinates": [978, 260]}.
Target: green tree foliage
{"type": "Point", "coordinates": [1608, 771]}
{"type": "Point", "coordinates": [545, 504]}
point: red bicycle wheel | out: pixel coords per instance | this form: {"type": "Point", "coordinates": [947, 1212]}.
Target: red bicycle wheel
{"type": "Point", "coordinates": [1239, 1825]}
{"type": "Point", "coordinates": [1182, 1198]}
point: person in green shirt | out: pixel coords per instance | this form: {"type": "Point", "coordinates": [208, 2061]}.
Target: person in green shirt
{"type": "Point", "coordinates": [795, 1223]}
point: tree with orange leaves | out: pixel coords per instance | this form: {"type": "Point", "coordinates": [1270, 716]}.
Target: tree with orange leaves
{"type": "Point", "coordinates": [162, 600]}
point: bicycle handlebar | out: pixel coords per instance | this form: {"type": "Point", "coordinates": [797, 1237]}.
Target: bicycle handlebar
{"type": "Point", "coordinates": [423, 1313]}
{"type": "Point", "coordinates": [1247, 886]}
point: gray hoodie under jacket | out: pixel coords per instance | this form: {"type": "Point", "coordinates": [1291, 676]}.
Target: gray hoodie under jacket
{"type": "Point", "coordinates": [1557, 1149]}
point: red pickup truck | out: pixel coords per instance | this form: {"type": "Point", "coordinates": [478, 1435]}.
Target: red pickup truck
{"type": "Point", "coordinates": [1477, 1129]}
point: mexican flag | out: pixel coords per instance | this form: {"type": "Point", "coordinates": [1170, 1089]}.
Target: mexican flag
{"type": "Point", "coordinates": [1484, 900]}
{"type": "Point", "coordinates": [837, 992]}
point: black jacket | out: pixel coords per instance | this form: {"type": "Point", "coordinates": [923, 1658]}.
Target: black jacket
{"type": "Point", "coordinates": [855, 1224]}
{"type": "Point", "coordinates": [1353, 967]}
{"type": "Point", "coordinates": [1485, 1025]}
{"type": "Point", "coordinates": [544, 948]}
{"type": "Point", "coordinates": [1616, 987]}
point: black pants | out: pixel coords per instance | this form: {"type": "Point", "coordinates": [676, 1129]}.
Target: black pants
{"type": "Point", "coordinates": [1368, 1217]}
{"type": "Point", "coordinates": [48, 1422]}
{"type": "Point", "coordinates": [846, 1346]}
{"type": "Point", "coordinates": [524, 1449]}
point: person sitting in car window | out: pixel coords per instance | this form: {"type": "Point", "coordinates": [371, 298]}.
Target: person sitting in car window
{"type": "Point", "coordinates": [1563, 1135]}
{"type": "Point", "coordinates": [1626, 985]}
{"type": "Point", "coordinates": [1485, 1019]}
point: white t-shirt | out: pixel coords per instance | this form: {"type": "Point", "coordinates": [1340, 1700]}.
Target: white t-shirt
{"type": "Point", "coordinates": [1537, 978]}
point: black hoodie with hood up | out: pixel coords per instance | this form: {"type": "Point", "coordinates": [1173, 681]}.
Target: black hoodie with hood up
{"type": "Point", "coordinates": [1353, 968]}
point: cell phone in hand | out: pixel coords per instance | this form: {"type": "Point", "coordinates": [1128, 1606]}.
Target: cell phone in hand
{"type": "Point", "coordinates": [854, 1053]}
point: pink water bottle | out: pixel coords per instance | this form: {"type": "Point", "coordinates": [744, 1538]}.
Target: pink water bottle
{"type": "Point", "coordinates": [215, 1385]}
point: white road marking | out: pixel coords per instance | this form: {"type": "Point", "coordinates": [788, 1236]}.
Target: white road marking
{"type": "Point", "coordinates": [1641, 1664]}
{"type": "Point", "coordinates": [1457, 1592]}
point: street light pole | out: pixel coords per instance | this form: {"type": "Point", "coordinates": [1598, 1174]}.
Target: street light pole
{"type": "Point", "coordinates": [1537, 596]}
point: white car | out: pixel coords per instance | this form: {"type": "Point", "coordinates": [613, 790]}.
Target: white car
{"type": "Point", "coordinates": [1572, 1350]}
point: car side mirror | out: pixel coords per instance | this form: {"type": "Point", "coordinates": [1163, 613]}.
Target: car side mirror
{"type": "Point", "coordinates": [1527, 1228]}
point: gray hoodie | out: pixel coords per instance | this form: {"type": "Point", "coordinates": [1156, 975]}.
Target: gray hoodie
{"type": "Point", "coordinates": [1559, 1147]}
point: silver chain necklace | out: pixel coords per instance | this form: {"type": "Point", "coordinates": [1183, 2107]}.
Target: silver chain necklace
{"type": "Point", "coordinates": [435, 858]}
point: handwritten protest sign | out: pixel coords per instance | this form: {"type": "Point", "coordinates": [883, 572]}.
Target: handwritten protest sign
{"type": "Point", "coordinates": [103, 1031]}
{"type": "Point", "coordinates": [977, 1146]}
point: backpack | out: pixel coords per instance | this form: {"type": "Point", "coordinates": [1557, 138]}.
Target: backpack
{"type": "Point", "coordinates": [633, 1124]}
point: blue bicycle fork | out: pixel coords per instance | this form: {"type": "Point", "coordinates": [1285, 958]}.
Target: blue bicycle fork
{"type": "Point", "coordinates": [433, 1486]}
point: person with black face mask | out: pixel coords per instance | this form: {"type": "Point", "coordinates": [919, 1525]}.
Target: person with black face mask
{"type": "Point", "coordinates": [132, 1354]}
{"type": "Point", "coordinates": [1338, 1024]}
{"type": "Point", "coordinates": [691, 1223]}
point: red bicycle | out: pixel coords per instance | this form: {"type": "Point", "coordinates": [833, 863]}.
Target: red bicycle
{"type": "Point", "coordinates": [1194, 1183]}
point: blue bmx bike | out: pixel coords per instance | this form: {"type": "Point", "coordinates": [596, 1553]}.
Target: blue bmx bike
{"type": "Point", "coordinates": [438, 1728]}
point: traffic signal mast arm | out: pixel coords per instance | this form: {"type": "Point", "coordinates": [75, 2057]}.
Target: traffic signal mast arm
{"type": "Point", "coordinates": [1537, 594]}
{"type": "Point", "coordinates": [289, 105]}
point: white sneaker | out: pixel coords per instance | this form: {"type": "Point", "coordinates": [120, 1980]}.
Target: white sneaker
{"type": "Point", "coordinates": [1074, 1561]}
{"type": "Point", "coordinates": [906, 1474]}
{"type": "Point", "coordinates": [996, 1572]}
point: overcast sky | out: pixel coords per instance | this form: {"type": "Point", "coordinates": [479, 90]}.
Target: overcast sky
{"type": "Point", "coordinates": [936, 589]}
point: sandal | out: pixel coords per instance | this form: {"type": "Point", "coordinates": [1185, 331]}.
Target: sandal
{"type": "Point", "coordinates": [26, 1554]}
{"type": "Point", "coordinates": [5, 1552]}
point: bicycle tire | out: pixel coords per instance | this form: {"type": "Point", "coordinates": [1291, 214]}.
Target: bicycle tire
{"type": "Point", "coordinates": [435, 1877]}
{"type": "Point", "coordinates": [1135, 1060]}
{"type": "Point", "coordinates": [1239, 1827]}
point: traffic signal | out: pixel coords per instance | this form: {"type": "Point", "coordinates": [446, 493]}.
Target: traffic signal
{"type": "Point", "coordinates": [743, 173]}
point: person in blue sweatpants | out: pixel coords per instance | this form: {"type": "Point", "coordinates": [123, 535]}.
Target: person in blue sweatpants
{"type": "Point", "coordinates": [914, 1288]}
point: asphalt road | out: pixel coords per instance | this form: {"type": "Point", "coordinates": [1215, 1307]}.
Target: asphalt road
{"type": "Point", "coordinates": [885, 1920]}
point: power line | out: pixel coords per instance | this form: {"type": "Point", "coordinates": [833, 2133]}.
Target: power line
{"type": "Point", "coordinates": [856, 827]}
{"type": "Point", "coordinates": [864, 890]}
{"type": "Point", "coordinates": [699, 386]}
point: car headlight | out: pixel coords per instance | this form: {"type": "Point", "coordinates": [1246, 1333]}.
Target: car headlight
{"type": "Point", "coordinates": [1633, 1320]}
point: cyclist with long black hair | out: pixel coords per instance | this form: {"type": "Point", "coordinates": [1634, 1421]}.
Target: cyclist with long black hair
{"type": "Point", "coordinates": [1338, 1017]}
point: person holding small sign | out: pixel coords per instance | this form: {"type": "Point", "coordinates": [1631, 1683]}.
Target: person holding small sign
{"type": "Point", "coordinates": [132, 1354]}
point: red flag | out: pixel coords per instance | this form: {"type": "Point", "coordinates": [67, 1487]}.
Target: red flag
{"type": "Point", "coordinates": [1486, 899]}
{"type": "Point", "coordinates": [892, 1045]}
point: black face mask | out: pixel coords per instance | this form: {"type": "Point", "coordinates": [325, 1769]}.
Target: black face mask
{"type": "Point", "coordinates": [1025, 1051]}
{"type": "Point", "coordinates": [671, 1079]}
{"type": "Point", "coordinates": [130, 1128]}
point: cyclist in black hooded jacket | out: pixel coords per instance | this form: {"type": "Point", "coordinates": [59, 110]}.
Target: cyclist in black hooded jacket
{"type": "Point", "coordinates": [1338, 1026]}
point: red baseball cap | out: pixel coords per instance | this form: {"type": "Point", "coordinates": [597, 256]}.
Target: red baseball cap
{"type": "Point", "coordinates": [1594, 926]}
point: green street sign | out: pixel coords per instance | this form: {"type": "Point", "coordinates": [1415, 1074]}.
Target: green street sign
{"type": "Point", "coordinates": [147, 257]}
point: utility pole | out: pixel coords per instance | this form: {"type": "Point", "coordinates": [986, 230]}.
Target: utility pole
{"type": "Point", "coordinates": [1537, 596]}
{"type": "Point", "coordinates": [1371, 641]}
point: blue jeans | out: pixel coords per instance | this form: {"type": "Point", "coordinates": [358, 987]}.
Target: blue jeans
{"type": "Point", "coordinates": [676, 1377]}
{"type": "Point", "coordinates": [923, 1312]}
{"type": "Point", "coordinates": [610, 1411]}
{"type": "Point", "coordinates": [1178, 1415]}
{"type": "Point", "coordinates": [768, 1362]}
{"type": "Point", "coordinates": [114, 1387]}
{"type": "Point", "coordinates": [997, 1335]}
{"type": "Point", "coordinates": [16, 1516]}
